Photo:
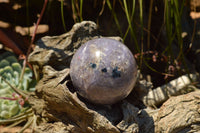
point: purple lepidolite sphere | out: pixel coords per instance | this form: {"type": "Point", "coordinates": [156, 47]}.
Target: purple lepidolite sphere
{"type": "Point", "coordinates": [103, 71]}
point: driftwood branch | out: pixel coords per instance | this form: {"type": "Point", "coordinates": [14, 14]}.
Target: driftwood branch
{"type": "Point", "coordinates": [56, 101]}
{"type": "Point", "coordinates": [159, 95]}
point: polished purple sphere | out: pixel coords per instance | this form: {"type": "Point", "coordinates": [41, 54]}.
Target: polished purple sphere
{"type": "Point", "coordinates": [103, 71]}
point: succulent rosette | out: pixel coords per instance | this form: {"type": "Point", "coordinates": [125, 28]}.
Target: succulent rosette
{"type": "Point", "coordinates": [11, 103]}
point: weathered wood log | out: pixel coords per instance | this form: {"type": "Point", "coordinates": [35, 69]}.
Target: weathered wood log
{"type": "Point", "coordinates": [157, 96]}
{"type": "Point", "coordinates": [62, 110]}
{"type": "Point", "coordinates": [179, 114]}
{"type": "Point", "coordinates": [57, 103]}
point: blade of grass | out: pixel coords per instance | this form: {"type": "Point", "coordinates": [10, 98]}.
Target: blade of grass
{"type": "Point", "coordinates": [62, 15]}
{"type": "Point", "coordinates": [81, 10]}
{"type": "Point", "coordinates": [101, 12]}
{"type": "Point", "coordinates": [73, 11]}
{"type": "Point", "coordinates": [77, 7]}
{"type": "Point", "coordinates": [149, 24]}
{"type": "Point", "coordinates": [178, 29]}
{"type": "Point", "coordinates": [141, 17]}
{"type": "Point", "coordinates": [102, 9]}
{"type": "Point", "coordinates": [75, 14]}
{"type": "Point", "coordinates": [173, 12]}
{"type": "Point", "coordinates": [142, 37]}
{"type": "Point", "coordinates": [132, 14]}
{"type": "Point", "coordinates": [168, 22]}
{"type": "Point", "coordinates": [131, 28]}
{"type": "Point", "coordinates": [168, 17]}
{"type": "Point", "coordinates": [115, 17]}
{"type": "Point", "coordinates": [182, 6]}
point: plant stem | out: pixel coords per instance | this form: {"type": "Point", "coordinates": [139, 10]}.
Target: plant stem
{"type": "Point", "coordinates": [32, 40]}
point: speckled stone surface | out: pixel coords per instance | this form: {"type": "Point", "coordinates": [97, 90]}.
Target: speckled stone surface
{"type": "Point", "coordinates": [103, 71]}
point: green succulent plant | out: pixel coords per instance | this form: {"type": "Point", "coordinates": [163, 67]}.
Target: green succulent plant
{"type": "Point", "coordinates": [11, 103]}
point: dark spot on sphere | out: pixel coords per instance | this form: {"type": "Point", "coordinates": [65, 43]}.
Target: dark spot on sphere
{"type": "Point", "coordinates": [116, 73]}
{"type": "Point", "coordinates": [104, 70]}
{"type": "Point", "coordinates": [93, 65]}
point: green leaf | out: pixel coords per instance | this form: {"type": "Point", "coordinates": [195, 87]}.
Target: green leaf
{"type": "Point", "coordinates": [14, 109]}
{"type": "Point", "coordinates": [16, 67]}
{"type": "Point", "coordinates": [5, 91]}
{"type": "Point", "coordinates": [7, 72]}
{"type": "Point", "coordinates": [4, 114]}
{"type": "Point", "coordinates": [4, 63]}
{"type": "Point", "coordinates": [11, 59]}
